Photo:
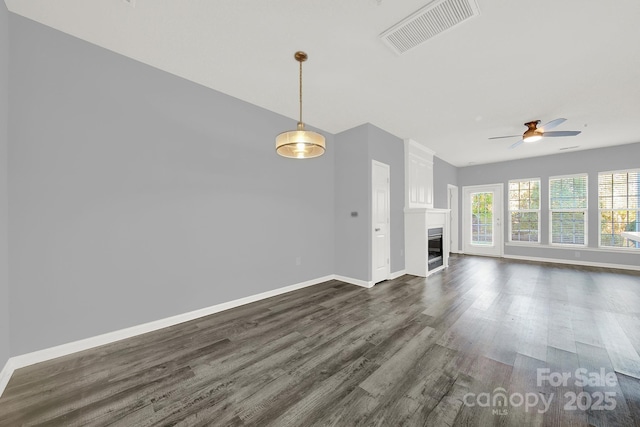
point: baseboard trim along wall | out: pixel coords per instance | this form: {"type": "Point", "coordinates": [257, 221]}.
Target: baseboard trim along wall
{"type": "Point", "coordinates": [574, 262]}
{"type": "Point", "coordinates": [357, 282]}
{"type": "Point", "coordinates": [365, 283]}
{"type": "Point", "coordinates": [397, 274]}
{"type": "Point", "coordinates": [5, 374]}
{"type": "Point", "coordinates": [24, 360]}
{"type": "Point", "coordinates": [28, 359]}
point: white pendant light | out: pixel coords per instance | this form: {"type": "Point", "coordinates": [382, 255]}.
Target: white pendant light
{"type": "Point", "coordinates": [300, 143]}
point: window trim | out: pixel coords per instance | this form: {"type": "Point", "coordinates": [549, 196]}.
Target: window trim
{"type": "Point", "coordinates": [616, 248]}
{"type": "Point", "coordinates": [585, 210]}
{"type": "Point", "coordinates": [520, 242]}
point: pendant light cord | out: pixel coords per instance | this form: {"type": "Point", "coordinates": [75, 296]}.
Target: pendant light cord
{"type": "Point", "coordinates": [300, 92]}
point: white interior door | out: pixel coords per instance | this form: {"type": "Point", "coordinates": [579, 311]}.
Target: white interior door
{"type": "Point", "coordinates": [452, 204]}
{"type": "Point", "coordinates": [482, 229]}
{"type": "Point", "coordinates": [381, 242]}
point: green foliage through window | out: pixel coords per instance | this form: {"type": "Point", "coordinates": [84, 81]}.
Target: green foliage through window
{"type": "Point", "coordinates": [482, 219]}
{"type": "Point", "coordinates": [568, 206]}
{"type": "Point", "coordinates": [524, 210]}
{"type": "Point", "coordinates": [619, 205]}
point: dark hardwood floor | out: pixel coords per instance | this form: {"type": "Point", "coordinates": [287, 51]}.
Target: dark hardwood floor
{"type": "Point", "coordinates": [481, 343]}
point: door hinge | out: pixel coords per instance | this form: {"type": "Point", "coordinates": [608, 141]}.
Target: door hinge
{"type": "Point", "coordinates": [387, 260]}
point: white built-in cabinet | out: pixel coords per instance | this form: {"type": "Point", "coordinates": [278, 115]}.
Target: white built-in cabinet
{"type": "Point", "coordinates": [419, 214]}
{"type": "Point", "coordinates": [418, 175]}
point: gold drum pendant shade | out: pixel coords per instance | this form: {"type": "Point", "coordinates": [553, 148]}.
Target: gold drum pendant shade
{"type": "Point", "coordinates": [300, 143]}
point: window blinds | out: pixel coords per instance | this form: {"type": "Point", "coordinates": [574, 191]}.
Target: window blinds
{"type": "Point", "coordinates": [568, 205]}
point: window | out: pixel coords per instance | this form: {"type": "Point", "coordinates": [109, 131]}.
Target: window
{"type": "Point", "coordinates": [568, 210]}
{"type": "Point", "coordinates": [619, 206]}
{"type": "Point", "coordinates": [482, 219]}
{"type": "Point", "coordinates": [524, 210]}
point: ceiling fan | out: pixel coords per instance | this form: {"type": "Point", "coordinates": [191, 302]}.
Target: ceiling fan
{"type": "Point", "coordinates": [535, 133]}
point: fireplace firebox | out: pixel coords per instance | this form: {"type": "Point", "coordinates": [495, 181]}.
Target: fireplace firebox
{"type": "Point", "coordinates": [435, 255]}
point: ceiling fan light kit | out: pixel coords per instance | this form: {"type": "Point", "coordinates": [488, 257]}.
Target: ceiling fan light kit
{"type": "Point", "coordinates": [300, 143]}
{"type": "Point", "coordinates": [535, 133]}
{"type": "Point", "coordinates": [532, 134]}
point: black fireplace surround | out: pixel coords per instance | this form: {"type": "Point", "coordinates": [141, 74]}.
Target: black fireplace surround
{"type": "Point", "coordinates": [435, 256]}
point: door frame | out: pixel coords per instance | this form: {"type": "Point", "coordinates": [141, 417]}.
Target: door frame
{"type": "Point", "coordinates": [498, 225]}
{"type": "Point", "coordinates": [387, 246]}
{"type": "Point", "coordinates": [453, 204]}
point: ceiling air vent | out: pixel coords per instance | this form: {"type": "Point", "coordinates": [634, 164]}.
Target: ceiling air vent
{"type": "Point", "coordinates": [433, 19]}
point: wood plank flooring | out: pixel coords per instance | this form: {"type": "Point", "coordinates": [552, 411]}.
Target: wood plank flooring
{"type": "Point", "coordinates": [440, 351]}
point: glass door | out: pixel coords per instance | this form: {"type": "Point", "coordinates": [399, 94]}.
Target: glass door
{"type": "Point", "coordinates": [482, 216]}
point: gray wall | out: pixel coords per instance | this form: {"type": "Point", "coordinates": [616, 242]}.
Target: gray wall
{"type": "Point", "coordinates": [355, 150]}
{"type": "Point", "coordinates": [351, 195]}
{"type": "Point", "coordinates": [4, 201]}
{"type": "Point", "coordinates": [587, 161]}
{"type": "Point", "coordinates": [136, 195]}
{"type": "Point", "coordinates": [443, 175]}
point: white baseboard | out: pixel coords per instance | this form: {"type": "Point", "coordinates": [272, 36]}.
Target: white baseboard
{"type": "Point", "coordinates": [32, 358]}
{"type": "Point", "coordinates": [5, 375]}
{"type": "Point", "coordinates": [356, 282]}
{"type": "Point", "coordinates": [367, 284]}
{"type": "Point", "coordinates": [397, 274]}
{"type": "Point", "coordinates": [23, 360]}
{"type": "Point", "coordinates": [574, 262]}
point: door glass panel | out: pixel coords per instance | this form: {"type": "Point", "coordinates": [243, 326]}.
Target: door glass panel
{"type": "Point", "coordinates": [482, 219]}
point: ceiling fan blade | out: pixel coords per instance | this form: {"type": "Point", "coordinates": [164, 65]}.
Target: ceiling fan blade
{"type": "Point", "coordinates": [516, 144]}
{"type": "Point", "coordinates": [500, 137]}
{"type": "Point", "coordinates": [562, 133]}
{"type": "Point", "coordinates": [552, 124]}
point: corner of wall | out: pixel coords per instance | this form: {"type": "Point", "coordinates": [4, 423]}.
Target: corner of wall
{"type": "Point", "coordinates": [4, 197]}
{"type": "Point", "coordinates": [351, 209]}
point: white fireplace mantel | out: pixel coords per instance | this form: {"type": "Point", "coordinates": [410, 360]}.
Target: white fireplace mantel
{"type": "Point", "coordinates": [417, 222]}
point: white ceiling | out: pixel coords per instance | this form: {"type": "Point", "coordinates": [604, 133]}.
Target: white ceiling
{"type": "Point", "coordinates": [518, 61]}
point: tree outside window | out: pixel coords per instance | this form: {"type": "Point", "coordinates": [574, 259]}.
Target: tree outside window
{"type": "Point", "coordinates": [619, 206]}
{"type": "Point", "coordinates": [568, 210]}
{"type": "Point", "coordinates": [524, 210]}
